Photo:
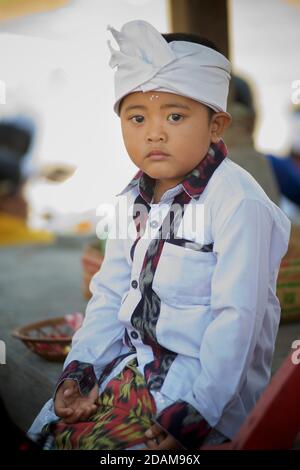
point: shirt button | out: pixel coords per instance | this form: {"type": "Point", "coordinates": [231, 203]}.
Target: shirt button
{"type": "Point", "coordinates": [134, 335]}
{"type": "Point", "coordinates": [134, 284]}
{"type": "Point", "coordinates": [154, 224]}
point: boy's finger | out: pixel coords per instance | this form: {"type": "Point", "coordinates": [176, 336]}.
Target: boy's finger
{"type": "Point", "coordinates": [93, 409]}
{"type": "Point", "coordinates": [71, 393]}
{"type": "Point", "coordinates": [155, 441]}
{"type": "Point", "coordinates": [70, 420]}
{"type": "Point", "coordinates": [168, 443]}
{"type": "Point", "coordinates": [77, 413]}
{"type": "Point", "coordinates": [90, 408]}
{"type": "Point", "coordinates": [86, 411]}
{"type": "Point", "coordinates": [59, 403]}
{"type": "Point", "coordinates": [152, 444]}
{"type": "Point", "coordinates": [63, 412]}
{"type": "Point", "coordinates": [83, 411]}
{"type": "Point", "coordinates": [154, 431]}
{"type": "Point", "coordinates": [71, 385]}
{"type": "Point", "coordinates": [93, 395]}
{"type": "Point", "coordinates": [68, 392]}
{"type": "Point", "coordinates": [86, 414]}
{"type": "Point", "coordinates": [83, 415]}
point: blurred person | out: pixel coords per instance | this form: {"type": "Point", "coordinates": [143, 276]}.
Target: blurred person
{"type": "Point", "coordinates": [279, 177]}
{"type": "Point", "coordinates": [16, 169]}
{"type": "Point", "coordinates": [287, 168]}
{"type": "Point", "coordinates": [239, 138]}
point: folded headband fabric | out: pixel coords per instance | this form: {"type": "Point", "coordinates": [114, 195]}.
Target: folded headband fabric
{"type": "Point", "coordinates": [146, 61]}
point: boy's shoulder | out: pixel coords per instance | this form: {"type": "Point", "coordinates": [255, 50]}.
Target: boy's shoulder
{"type": "Point", "coordinates": [232, 182]}
{"type": "Point", "coordinates": [232, 187]}
{"type": "Point", "coordinates": [238, 182]}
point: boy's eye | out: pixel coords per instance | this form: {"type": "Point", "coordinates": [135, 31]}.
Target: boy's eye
{"type": "Point", "coordinates": [175, 117]}
{"type": "Point", "coordinates": [137, 119]}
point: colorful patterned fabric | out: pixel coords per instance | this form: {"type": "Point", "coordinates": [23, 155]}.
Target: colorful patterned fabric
{"type": "Point", "coordinates": [125, 412]}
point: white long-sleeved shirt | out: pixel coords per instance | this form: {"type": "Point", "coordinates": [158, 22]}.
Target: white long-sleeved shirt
{"type": "Point", "coordinates": [219, 312]}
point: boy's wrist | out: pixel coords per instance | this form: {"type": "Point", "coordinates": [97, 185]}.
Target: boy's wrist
{"type": "Point", "coordinates": [184, 423]}
{"type": "Point", "coordinates": [82, 372]}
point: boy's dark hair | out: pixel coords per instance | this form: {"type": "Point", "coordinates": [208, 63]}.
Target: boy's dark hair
{"type": "Point", "coordinates": [190, 37]}
{"type": "Point", "coordinates": [196, 38]}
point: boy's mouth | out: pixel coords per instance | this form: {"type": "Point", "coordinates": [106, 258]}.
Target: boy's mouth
{"type": "Point", "coordinates": [157, 155]}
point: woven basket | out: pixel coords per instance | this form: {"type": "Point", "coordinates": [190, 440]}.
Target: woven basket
{"type": "Point", "coordinates": [288, 290]}
{"type": "Point", "coordinates": [288, 282]}
{"type": "Point", "coordinates": [91, 261]}
{"type": "Point", "coordinates": [50, 339]}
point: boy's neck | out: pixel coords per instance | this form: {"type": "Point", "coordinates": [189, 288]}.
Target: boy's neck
{"type": "Point", "coordinates": [161, 186]}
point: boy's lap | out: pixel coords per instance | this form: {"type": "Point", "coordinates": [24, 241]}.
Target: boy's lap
{"type": "Point", "coordinates": [109, 429]}
{"type": "Point", "coordinates": [125, 409]}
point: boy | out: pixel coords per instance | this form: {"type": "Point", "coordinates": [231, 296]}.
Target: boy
{"type": "Point", "coordinates": [180, 331]}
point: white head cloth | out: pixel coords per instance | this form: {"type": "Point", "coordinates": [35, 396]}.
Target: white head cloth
{"type": "Point", "coordinates": [146, 61]}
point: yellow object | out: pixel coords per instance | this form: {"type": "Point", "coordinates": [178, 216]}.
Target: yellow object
{"type": "Point", "coordinates": [13, 8]}
{"type": "Point", "coordinates": [84, 227]}
{"type": "Point", "coordinates": [14, 231]}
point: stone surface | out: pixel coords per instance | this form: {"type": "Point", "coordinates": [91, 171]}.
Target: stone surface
{"type": "Point", "coordinates": [36, 283]}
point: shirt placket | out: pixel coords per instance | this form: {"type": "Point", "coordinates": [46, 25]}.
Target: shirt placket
{"type": "Point", "coordinates": [156, 216]}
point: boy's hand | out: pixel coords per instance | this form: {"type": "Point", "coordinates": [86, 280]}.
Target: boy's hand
{"type": "Point", "coordinates": [71, 406]}
{"type": "Point", "coordinates": [158, 439]}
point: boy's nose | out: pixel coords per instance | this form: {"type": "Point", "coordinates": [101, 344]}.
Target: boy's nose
{"type": "Point", "coordinates": [156, 136]}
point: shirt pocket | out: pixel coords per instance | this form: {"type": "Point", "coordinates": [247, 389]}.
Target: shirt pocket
{"type": "Point", "coordinates": [183, 275]}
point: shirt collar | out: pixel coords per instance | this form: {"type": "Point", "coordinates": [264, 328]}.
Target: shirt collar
{"type": "Point", "coordinates": [193, 183]}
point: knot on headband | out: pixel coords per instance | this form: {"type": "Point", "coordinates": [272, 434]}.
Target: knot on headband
{"type": "Point", "coordinates": [146, 61]}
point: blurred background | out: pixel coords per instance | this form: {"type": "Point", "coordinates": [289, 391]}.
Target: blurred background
{"type": "Point", "coordinates": [62, 156]}
{"type": "Point", "coordinates": [54, 69]}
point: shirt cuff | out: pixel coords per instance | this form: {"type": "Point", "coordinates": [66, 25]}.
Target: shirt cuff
{"type": "Point", "coordinates": [82, 372]}
{"type": "Point", "coordinates": [184, 423]}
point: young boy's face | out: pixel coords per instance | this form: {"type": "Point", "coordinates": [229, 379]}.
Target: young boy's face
{"type": "Point", "coordinates": [173, 124]}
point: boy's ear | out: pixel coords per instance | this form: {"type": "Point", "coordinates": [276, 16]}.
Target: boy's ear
{"type": "Point", "coordinates": [219, 122]}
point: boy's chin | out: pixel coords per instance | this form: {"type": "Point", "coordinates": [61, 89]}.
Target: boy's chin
{"type": "Point", "coordinates": [156, 174]}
